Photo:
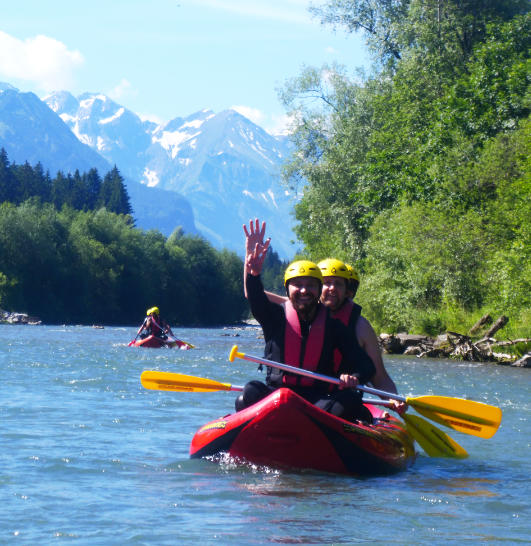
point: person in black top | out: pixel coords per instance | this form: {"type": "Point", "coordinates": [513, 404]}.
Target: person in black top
{"type": "Point", "coordinates": [302, 333]}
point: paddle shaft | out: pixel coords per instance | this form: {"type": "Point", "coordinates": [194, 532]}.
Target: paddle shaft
{"type": "Point", "coordinates": [467, 416]}
{"type": "Point", "coordinates": [308, 373]}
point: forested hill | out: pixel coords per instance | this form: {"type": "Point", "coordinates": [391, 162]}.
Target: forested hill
{"type": "Point", "coordinates": [86, 191]}
{"type": "Point", "coordinates": [418, 172]}
{"type": "Point", "coordinates": [69, 253]}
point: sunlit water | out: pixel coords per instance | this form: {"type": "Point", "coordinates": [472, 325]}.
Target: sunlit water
{"type": "Point", "coordinates": [88, 456]}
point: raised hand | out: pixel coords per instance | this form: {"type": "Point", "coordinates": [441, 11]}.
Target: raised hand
{"type": "Point", "coordinates": [255, 247]}
{"type": "Point", "coordinates": [254, 236]}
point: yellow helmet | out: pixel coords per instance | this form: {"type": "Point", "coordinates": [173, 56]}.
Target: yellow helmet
{"type": "Point", "coordinates": [334, 268]}
{"type": "Point", "coordinates": [353, 273]}
{"type": "Point", "coordinates": [302, 268]}
{"type": "Point", "coordinates": [152, 311]}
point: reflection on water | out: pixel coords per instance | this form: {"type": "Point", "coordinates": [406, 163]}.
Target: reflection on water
{"type": "Point", "coordinates": [471, 487]}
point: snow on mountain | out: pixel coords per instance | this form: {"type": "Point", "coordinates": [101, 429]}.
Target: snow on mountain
{"type": "Point", "coordinates": [30, 131]}
{"type": "Point", "coordinates": [225, 165]}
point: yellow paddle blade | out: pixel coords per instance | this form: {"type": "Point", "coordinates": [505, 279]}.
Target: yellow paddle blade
{"type": "Point", "coordinates": [167, 381]}
{"type": "Point", "coordinates": [433, 440]}
{"type": "Point", "coordinates": [474, 418]}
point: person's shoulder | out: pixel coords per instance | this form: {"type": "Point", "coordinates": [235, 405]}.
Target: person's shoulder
{"type": "Point", "coordinates": [364, 329]}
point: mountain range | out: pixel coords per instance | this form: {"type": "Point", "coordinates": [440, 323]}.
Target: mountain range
{"type": "Point", "coordinates": [207, 172]}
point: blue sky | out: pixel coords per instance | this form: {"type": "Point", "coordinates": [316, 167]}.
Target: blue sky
{"type": "Point", "coordinates": [163, 58]}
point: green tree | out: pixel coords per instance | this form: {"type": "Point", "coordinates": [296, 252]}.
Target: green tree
{"type": "Point", "coordinates": [113, 194]}
{"type": "Point", "coordinates": [7, 182]}
{"type": "Point", "coordinates": [92, 182]}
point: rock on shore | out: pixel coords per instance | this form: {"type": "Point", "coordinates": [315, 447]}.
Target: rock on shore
{"type": "Point", "coordinates": [10, 317]}
{"type": "Point", "coordinates": [453, 345]}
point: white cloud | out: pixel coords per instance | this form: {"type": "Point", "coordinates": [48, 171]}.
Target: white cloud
{"type": "Point", "coordinates": [41, 60]}
{"type": "Point", "coordinates": [152, 117]}
{"type": "Point", "coordinates": [280, 125]}
{"type": "Point", "coordinates": [121, 90]}
{"type": "Point", "coordinates": [274, 124]}
{"type": "Point", "coordinates": [254, 114]}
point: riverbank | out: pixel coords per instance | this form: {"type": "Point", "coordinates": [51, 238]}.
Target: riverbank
{"type": "Point", "coordinates": [456, 346]}
{"type": "Point", "coordinates": [10, 317]}
{"type": "Point", "coordinates": [448, 345]}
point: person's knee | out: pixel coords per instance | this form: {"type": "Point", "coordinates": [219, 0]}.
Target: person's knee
{"type": "Point", "coordinates": [239, 404]}
{"type": "Point", "coordinates": [345, 404]}
{"type": "Point", "coordinates": [253, 392]}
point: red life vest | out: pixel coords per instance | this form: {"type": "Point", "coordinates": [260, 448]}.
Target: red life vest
{"type": "Point", "coordinates": [156, 329]}
{"type": "Point", "coordinates": [342, 314]}
{"type": "Point", "coordinates": [293, 345]}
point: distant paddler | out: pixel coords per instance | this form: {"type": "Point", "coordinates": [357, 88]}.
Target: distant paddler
{"type": "Point", "coordinates": [154, 325]}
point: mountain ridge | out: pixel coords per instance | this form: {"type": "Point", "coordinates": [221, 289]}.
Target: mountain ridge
{"type": "Point", "coordinates": [223, 165]}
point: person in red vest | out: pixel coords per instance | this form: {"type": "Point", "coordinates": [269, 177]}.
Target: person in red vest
{"type": "Point", "coordinates": [340, 284]}
{"type": "Point", "coordinates": [155, 325]}
{"type": "Point", "coordinates": [301, 332]}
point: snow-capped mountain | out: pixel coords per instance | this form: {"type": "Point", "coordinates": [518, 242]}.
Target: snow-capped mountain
{"type": "Point", "coordinates": [30, 131]}
{"type": "Point", "coordinates": [224, 164]}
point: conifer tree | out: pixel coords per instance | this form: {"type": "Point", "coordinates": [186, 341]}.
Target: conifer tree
{"type": "Point", "coordinates": [6, 177]}
{"type": "Point", "coordinates": [92, 181]}
{"type": "Point", "coordinates": [60, 190]}
{"type": "Point", "coordinates": [114, 196]}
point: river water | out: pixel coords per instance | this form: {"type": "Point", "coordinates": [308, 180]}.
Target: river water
{"type": "Point", "coordinates": [90, 457]}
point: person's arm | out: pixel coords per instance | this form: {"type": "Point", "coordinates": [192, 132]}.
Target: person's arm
{"type": "Point", "coordinates": [369, 341]}
{"type": "Point", "coordinates": [254, 240]}
{"type": "Point", "coordinates": [167, 329]}
{"type": "Point", "coordinates": [356, 365]}
{"type": "Point", "coordinates": [142, 326]}
{"type": "Point", "coordinates": [275, 298]}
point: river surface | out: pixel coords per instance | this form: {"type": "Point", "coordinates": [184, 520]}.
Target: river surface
{"type": "Point", "coordinates": [88, 456]}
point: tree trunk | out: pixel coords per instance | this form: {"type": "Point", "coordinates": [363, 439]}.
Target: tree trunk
{"type": "Point", "coordinates": [500, 323]}
{"type": "Point", "coordinates": [485, 319]}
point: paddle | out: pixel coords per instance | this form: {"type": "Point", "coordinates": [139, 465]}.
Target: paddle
{"type": "Point", "coordinates": [132, 342]}
{"type": "Point", "coordinates": [434, 442]}
{"type": "Point", "coordinates": [137, 334]}
{"type": "Point", "coordinates": [168, 381]}
{"type": "Point", "coordinates": [172, 340]}
{"type": "Point", "coordinates": [474, 418]}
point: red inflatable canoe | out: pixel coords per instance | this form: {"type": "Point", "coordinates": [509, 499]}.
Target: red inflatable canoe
{"type": "Point", "coordinates": [284, 430]}
{"type": "Point", "coordinates": [156, 342]}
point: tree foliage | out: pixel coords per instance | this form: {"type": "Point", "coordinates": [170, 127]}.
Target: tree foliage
{"type": "Point", "coordinates": [79, 191]}
{"type": "Point", "coordinates": [69, 253]}
{"type": "Point", "coordinates": [94, 267]}
{"type": "Point", "coordinates": [416, 171]}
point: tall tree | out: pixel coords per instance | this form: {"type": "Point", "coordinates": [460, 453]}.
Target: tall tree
{"type": "Point", "coordinates": [7, 180]}
{"type": "Point", "coordinates": [114, 196]}
{"type": "Point", "coordinates": [92, 181]}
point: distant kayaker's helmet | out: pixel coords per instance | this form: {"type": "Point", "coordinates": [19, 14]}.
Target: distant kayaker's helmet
{"type": "Point", "coordinates": [302, 268]}
{"type": "Point", "coordinates": [155, 311]}
{"type": "Point", "coordinates": [334, 268]}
